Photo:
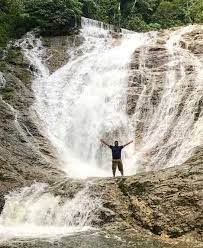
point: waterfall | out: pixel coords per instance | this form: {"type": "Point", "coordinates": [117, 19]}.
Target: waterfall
{"type": "Point", "coordinates": [36, 212]}
{"type": "Point", "coordinates": [76, 106]}
{"type": "Point", "coordinates": [170, 131]}
{"type": "Point", "coordinates": [85, 100]}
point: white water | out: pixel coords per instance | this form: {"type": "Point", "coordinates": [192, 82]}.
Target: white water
{"type": "Point", "coordinates": [36, 212]}
{"type": "Point", "coordinates": [170, 137]}
{"type": "Point", "coordinates": [85, 100]}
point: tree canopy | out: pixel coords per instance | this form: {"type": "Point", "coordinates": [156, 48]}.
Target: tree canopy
{"type": "Point", "coordinates": [58, 17]}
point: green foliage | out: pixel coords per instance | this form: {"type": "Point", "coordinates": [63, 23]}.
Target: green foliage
{"type": "Point", "coordinates": [144, 15]}
{"type": "Point", "coordinates": [103, 10]}
{"type": "Point", "coordinates": [12, 54]}
{"type": "Point", "coordinates": [168, 14]}
{"type": "Point", "coordinates": [10, 15]}
{"type": "Point", "coordinates": [2, 66]}
{"type": "Point", "coordinates": [154, 26]}
{"type": "Point", "coordinates": [135, 23]}
{"type": "Point", "coordinates": [58, 17]}
{"type": "Point", "coordinates": [53, 17]}
{"type": "Point", "coordinates": [89, 8]}
{"type": "Point", "coordinates": [195, 11]}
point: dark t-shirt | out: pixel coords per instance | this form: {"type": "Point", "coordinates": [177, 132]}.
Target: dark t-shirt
{"type": "Point", "coordinates": [116, 151]}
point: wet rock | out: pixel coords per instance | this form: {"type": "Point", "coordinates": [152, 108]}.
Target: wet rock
{"type": "Point", "coordinates": [166, 202]}
{"type": "Point", "coordinates": [149, 64]}
{"type": "Point", "coordinates": [25, 153]}
{"type": "Point", "coordinates": [58, 50]}
{"type": "Point", "coordinates": [101, 239]}
{"type": "Point", "coordinates": [154, 69]}
{"type": "Point", "coordinates": [2, 202]}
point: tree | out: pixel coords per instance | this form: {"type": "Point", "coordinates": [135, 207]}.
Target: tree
{"type": "Point", "coordinates": [9, 17]}
{"type": "Point", "coordinates": [195, 11]}
{"type": "Point", "coordinates": [89, 8]}
{"type": "Point", "coordinates": [168, 14]}
{"type": "Point", "coordinates": [53, 17]}
{"type": "Point", "coordinates": [58, 17]}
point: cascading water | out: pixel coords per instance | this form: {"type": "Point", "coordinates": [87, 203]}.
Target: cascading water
{"type": "Point", "coordinates": [170, 132]}
{"type": "Point", "coordinates": [85, 100]}
{"type": "Point", "coordinates": [36, 212]}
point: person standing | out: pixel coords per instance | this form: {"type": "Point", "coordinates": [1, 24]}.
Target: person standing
{"type": "Point", "coordinates": [116, 156]}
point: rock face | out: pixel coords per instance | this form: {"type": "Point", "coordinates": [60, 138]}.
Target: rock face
{"type": "Point", "coordinates": [165, 97]}
{"type": "Point", "coordinates": [25, 154]}
{"type": "Point", "coordinates": [154, 59]}
{"type": "Point", "coordinates": [56, 50]}
{"type": "Point", "coordinates": [167, 202]}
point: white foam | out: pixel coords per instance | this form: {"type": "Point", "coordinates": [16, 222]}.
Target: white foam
{"type": "Point", "coordinates": [36, 212]}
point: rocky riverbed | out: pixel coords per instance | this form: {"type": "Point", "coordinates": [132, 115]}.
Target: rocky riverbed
{"type": "Point", "coordinates": [165, 206]}
{"type": "Point", "coordinates": [167, 203]}
{"type": "Point", "coordinates": [101, 239]}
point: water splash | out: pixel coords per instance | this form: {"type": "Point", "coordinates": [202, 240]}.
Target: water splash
{"type": "Point", "coordinates": [37, 212]}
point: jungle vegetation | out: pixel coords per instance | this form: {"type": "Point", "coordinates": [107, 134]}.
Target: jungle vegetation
{"type": "Point", "coordinates": [58, 17]}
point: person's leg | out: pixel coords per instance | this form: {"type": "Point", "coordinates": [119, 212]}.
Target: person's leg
{"type": "Point", "coordinates": [114, 168]}
{"type": "Point", "coordinates": [120, 167]}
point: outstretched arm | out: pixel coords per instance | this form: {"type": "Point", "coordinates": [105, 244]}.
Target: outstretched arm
{"type": "Point", "coordinates": [128, 143]}
{"type": "Point", "coordinates": [105, 143]}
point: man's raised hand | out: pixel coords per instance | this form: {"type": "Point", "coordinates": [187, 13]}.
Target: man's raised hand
{"type": "Point", "coordinates": [104, 143]}
{"type": "Point", "coordinates": [128, 143]}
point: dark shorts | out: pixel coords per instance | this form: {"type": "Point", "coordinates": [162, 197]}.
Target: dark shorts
{"type": "Point", "coordinates": [117, 163]}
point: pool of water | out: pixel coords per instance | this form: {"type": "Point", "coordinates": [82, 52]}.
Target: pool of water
{"type": "Point", "coordinates": [96, 239]}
